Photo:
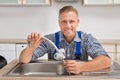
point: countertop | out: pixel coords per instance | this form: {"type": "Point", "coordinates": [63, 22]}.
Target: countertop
{"type": "Point", "coordinates": [102, 41]}
{"type": "Point", "coordinates": [13, 41]}
{"type": "Point", "coordinates": [14, 62]}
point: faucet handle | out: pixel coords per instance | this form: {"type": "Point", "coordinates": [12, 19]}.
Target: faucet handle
{"type": "Point", "coordinates": [60, 56]}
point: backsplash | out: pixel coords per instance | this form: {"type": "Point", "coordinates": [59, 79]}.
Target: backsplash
{"type": "Point", "coordinates": [18, 21]}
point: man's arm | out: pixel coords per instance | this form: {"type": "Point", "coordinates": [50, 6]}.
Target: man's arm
{"type": "Point", "coordinates": [26, 55]}
{"type": "Point", "coordinates": [98, 63]}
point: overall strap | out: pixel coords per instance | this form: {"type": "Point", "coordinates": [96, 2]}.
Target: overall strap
{"type": "Point", "coordinates": [78, 47]}
{"type": "Point", "coordinates": [57, 39]}
{"type": "Point", "coordinates": [78, 44]}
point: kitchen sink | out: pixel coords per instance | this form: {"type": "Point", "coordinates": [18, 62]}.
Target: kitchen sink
{"type": "Point", "coordinates": [38, 68]}
{"type": "Point", "coordinates": [55, 68]}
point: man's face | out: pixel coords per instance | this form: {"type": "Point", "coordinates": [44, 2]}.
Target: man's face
{"type": "Point", "coordinates": [68, 22]}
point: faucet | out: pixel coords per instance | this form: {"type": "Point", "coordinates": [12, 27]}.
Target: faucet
{"type": "Point", "coordinates": [60, 52]}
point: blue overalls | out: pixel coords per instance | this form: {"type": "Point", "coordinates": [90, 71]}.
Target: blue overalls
{"type": "Point", "coordinates": [78, 44]}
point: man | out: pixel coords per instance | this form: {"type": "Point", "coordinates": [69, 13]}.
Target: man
{"type": "Point", "coordinates": [76, 43]}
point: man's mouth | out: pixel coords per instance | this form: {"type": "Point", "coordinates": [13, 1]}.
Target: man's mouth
{"type": "Point", "coordinates": [68, 30]}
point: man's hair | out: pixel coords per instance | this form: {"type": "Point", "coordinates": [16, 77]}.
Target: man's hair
{"type": "Point", "coordinates": [68, 9]}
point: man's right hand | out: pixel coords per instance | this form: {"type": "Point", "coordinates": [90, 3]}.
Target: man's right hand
{"type": "Point", "coordinates": [34, 39]}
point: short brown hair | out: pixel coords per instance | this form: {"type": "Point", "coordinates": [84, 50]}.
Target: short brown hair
{"type": "Point", "coordinates": [67, 9]}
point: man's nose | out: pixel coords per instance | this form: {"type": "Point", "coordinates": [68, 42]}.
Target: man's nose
{"type": "Point", "coordinates": [68, 25]}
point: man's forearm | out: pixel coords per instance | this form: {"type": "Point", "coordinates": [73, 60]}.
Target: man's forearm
{"type": "Point", "coordinates": [99, 63]}
{"type": "Point", "coordinates": [26, 55]}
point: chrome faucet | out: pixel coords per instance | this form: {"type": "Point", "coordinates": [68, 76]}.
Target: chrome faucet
{"type": "Point", "coordinates": [60, 52]}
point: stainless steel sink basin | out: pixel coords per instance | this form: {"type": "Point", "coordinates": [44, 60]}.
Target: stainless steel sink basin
{"type": "Point", "coordinates": [41, 68]}
{"type": "Point", "coordinates": [51, 68]}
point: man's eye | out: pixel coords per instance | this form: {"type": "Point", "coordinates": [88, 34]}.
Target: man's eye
{"type": "Point", "coordinates": [72, 21]}
{"type": "Point", "coordinates": [63, 22]}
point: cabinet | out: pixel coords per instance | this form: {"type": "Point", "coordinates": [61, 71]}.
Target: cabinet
{"type": "Point", "coordinates": [24, 2]}
{"type": "Point", "coordinates": [36, 2]}
{"type": "Point", "coordinates": [116, 1]}
{"type": "Point", "coordinates": [8, 51]}
{"type": "Point", "coordinates": [20, 47]}
{"type": "Point", "coordinates": [101, 2]}
{"type": "Point", "coordinates": [9, 2]}
{"type": "Point", "coordinates": [111, 50]}
{"type": "Point", "coordinates": [118, 52]}
{"type": "Point", "coordinates": [12, 51]}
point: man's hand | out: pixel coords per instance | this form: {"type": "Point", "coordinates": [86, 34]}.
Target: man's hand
{"type": "Point", "coordinates": [72, 66]}
{"type": "Point", "coordinates": [98, 63]}
{"type": "Point", "coordinates": [34, 39]}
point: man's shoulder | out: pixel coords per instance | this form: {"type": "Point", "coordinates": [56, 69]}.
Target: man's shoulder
{"type": "Point", "coordinates": [51, 36]}
{"type": "Point", "coordinates": [87, 36]}
{"type": "Point", "coordinates": [83, 34]}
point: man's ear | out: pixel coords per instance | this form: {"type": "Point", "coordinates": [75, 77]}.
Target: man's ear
{"type": "Point", "coordinates": [78, 21]}
{"type": "Point", "coordinates": [59, 22]}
